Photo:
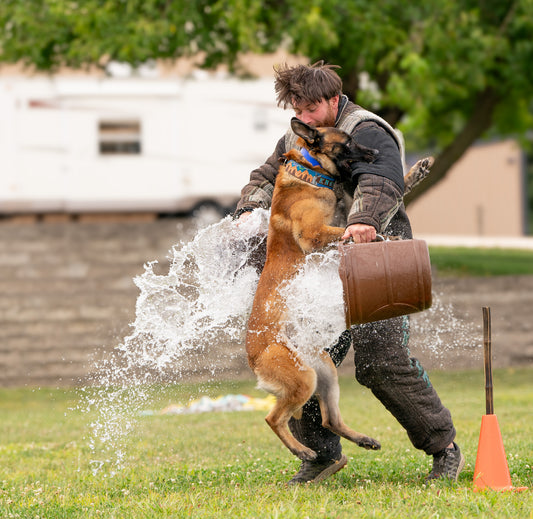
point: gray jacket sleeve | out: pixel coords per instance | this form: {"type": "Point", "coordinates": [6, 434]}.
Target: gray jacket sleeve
{"type": "Point", "coordinates": [379, 186]}
{"type": "Point", "coordinates": [376, 201]}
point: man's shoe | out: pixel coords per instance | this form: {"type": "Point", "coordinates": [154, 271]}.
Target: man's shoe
{"type": "Point", "coordinates": [447, 464]}
{"type": "Point", "coordinates": [313, 472]}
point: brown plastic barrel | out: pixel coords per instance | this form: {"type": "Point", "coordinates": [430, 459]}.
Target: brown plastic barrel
{"type": "Point", "coordinates": [384, 279]}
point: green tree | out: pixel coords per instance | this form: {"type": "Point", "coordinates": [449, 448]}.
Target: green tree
{"type": "Point", "coordinates": [447, 72]}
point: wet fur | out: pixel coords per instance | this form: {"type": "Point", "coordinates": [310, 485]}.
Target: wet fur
{"type": "Point", "coordinates": [299, 224]}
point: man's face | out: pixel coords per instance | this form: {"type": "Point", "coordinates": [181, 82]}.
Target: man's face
{"type": "Point", "coordinates": [318, 114]}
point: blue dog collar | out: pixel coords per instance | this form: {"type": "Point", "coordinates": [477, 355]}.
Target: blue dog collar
{"type": "Point", "coordinates": [308, 175]}
{"type": "Point", "coordinates": [307, 156]}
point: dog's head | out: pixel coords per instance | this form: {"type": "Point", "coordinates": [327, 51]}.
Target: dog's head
{"type": "Point", "coordinates": [333, 148]}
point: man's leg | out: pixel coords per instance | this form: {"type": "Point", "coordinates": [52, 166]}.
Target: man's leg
{"type": "Point", "coordinates": [384, 365]}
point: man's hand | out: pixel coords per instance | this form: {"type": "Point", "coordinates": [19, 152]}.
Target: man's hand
{"type": "Point", "coordinates": [360, 233]}
{"type": "Point", "coordinates": [243, 217]}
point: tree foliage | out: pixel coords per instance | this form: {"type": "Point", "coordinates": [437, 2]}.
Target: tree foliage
{"type": "Point", "coordinates": [445, 71]}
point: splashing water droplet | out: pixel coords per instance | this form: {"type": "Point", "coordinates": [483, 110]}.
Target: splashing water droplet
{"type": "Point", "coordinates": [446, 339]}
{"type": "Point", "coordinates": [314, 299]}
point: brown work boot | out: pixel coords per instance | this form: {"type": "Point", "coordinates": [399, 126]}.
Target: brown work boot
{"type": "Point", "coordinates": [313, 471]}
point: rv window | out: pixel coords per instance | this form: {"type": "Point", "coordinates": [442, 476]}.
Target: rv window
{"type": "Point", "coordinates": [119, 137]}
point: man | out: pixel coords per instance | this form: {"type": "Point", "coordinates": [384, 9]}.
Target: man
{"type": "Point", "coordinates": [369, 202]}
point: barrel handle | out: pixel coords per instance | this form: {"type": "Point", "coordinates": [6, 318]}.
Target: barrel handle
{"type": "Point", "coordinates": [378, 238]}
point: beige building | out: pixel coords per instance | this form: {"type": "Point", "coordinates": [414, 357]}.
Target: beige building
{"type": "Point", "coordinates": [482, 195]}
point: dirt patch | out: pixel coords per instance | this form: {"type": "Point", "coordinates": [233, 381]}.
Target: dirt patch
{"type": "Point", "coordinates": [450, 334]}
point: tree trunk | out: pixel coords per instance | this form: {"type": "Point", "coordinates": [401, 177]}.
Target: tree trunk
{"type": "Point", "coordinates": [479, 122]}
{"type": "Point", "coordinates": [350, 84]}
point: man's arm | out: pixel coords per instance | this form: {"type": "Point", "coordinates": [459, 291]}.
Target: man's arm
{"type": "Point", "coordinates": [379, 191]}
{"type": "Point", "coordinates": [376, 201]}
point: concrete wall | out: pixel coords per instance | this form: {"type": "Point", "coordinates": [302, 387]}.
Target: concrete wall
{"type": "Point", "coordinates": [67, 294]}
{"type": "Point", "coordinates": [67, 298]}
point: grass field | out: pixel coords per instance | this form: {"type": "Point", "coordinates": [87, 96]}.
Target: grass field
{"type": "Point", "coordinates": [462, 261]}
{"type": "Point", "coordinates": [232, 465]}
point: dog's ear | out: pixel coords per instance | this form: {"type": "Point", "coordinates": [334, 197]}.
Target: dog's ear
{"type": "Point", "coordinates": [308, 133]}
{"type": "Point", "coordinates": [367, 154]}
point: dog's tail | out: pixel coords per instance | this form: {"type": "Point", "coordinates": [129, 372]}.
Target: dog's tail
{"type": "Point", "coordinates": [417, 173]}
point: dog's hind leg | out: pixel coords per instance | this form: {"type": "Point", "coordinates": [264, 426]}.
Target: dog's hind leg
{"type": "Point", "coordinates": [327, 391]}
{"type": "Point", "coordinates": [278, 419]}
{"type": "Point", "coordinates": [280, 372]}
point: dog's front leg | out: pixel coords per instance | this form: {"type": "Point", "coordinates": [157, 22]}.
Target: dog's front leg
{"type": "Point", "coordinates": [312, 239]}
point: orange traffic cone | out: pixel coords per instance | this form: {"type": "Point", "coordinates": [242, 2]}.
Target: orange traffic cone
{"type": "Point", "coordinates": [491, 470]}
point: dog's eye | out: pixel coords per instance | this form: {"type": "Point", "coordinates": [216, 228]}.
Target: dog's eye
{"type": "Point", "coordinates": [340, 148]}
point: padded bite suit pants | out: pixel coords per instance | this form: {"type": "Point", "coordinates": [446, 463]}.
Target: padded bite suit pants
{"type": "Point", "coordinates": [383, 364]}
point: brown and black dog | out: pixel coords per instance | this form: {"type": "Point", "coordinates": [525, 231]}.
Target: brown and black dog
{"type": "Point", "coordinates": [303, 204]}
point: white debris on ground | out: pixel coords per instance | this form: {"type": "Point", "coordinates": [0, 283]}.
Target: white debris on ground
{"type": "Point", "coordinates": [223, 403]}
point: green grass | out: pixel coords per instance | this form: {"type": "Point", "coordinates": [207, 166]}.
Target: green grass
{"type": "Point", "coordinates": [232, 465]}
{"type": "Point", "coordinates": [465, 261]}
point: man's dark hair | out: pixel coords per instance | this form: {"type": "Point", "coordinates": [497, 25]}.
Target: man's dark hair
{"type": "Point", "coordinates": [306, 83]}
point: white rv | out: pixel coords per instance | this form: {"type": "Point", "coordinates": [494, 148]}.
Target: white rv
{"type": "Point", "coordinates": [80, 145]}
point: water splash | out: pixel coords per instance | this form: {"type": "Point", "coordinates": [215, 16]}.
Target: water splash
{"type": "Point", "coordinates": [314, 299]}
{"type": "Point", "coordinates": [203, 302]}
{"type": "Point", "coordinates": [201, 305]}
{"type": "Point", "coordinates": [448, 340]}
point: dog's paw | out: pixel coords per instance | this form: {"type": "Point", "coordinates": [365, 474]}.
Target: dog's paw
{"type": "Point", "coordinates": [418, 173]}
{"type": "Point", "coordinates": [369, 443]}
{"type": "Point", "coordinates": [307, 454]}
